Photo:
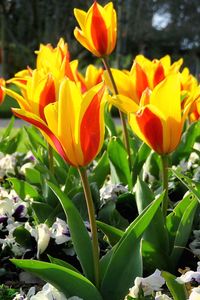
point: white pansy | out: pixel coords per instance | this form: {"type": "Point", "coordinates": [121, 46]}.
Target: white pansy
{"type": "Point", "coordinates": [42, 235]}
{"type": "Point", "coordinates": [190, 276]}
{"type": "Point", "coordinates": [195, 294]}
{"type": "Point", "coordinates": [60, 231]}
{"type": "Point", "coordinates": [7, 164]}
{"type": "Point", "coordinates": [28, 165]}
{"type": "Point", "coordinates": [148, 284]}
{"type": "Point", "coordinates": [48, 292]}
{"type": "Point", "coordinates": [42, 238]}
{"type": "Point", "coordinates": [160, 296]}
{"type": "Point", "coordinates": [6, 207]}
{"type": "Point", "coordinates": [111, 192]}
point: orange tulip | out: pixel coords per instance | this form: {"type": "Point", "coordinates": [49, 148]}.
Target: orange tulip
{"type": "Point", "coordinates": [74, 124]}
{"type": "Point", "coordinates": [2, 92]}
{"type": "Point", "coordinates": [98, 28]}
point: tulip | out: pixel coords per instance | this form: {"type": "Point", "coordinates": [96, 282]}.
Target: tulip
{"type": "Point", "coordinates": [2, 93]}
{"type": "Point", "coordinates": [98, 28]}
{"type": "Point", "coordinates": [75, 116]}
{"type": "Point", "coordinates": [159, 120]}
{"type": "Point", "coordinates": [143, 74]}
{"type": "Point", "coordinates": [92, 77]}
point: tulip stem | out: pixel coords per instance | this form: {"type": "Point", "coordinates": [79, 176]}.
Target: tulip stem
{"type": "Point", "coordinates": [91, 214]}
{"type": "Point", "coordinates": [50, 157]}
{"type": "Point", "coordinates": [164, 159]}
{"type": "Point", "coordinates": [121, 114]}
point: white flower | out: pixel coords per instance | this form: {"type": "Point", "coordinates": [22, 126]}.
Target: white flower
{"type": "Point", "coordinates": [195, 294]}
{"type": "Point", "coordinates": [160, 296]}
{"type": "Point", "coordinates": [190, 276]}
{"type": "Point", "coordinates": [42, 235]}
{"type": "Point", "coordinates": [60, 231]}
{"type": "Point", "coordinates": [7, 164]}
{"type": "Point", "coordinates": [111, 191]}
{"type": "Point", "coordinates": [6, 207]}
{"type": "Point", "coordinates": [48, 293]}
{"type": "Point", "coordinates": [43, 238]}
{"type": "Point", "coordinates": [148, 285]}
{"type": "Point", "coordinates": [28, 165]}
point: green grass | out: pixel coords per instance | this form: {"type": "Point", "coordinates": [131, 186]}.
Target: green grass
{"type": "Point", "coordinates": [7, 293]}
{"type": "Point", "coordinates": [24, 141]}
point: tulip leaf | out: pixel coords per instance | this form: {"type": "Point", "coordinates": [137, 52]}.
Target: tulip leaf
{"type": "Point", "coordinates": [78, 231]}
{"type": "Point", "coordinates": [190, 184]}
{"type": "Point", "coordinates": [101, 170]}
{"type": "Point", "coordinates": [125, 263]}
{"type": "Point", "coordinates": [177, 290]}
{"type": "Point", "coordinates": [139, 161]}
{"type": "Point", "coordinates": [113, 234]}
{"type": "Point", "coordinates": [62, 263]}
{"type": "Point", "coordinates": [7, 131]}
{"type": "Point", "coordinates": [34, 137]}
{"type": "Point", "coordinates": [156, 233]}
{"type": "Point", "coordinates": [173, 220]}
{"type": "Point", "coordinates": [65, 280]}
{"type": "Point", "coordinates": [187, 142]}
{"type": "Point", "coordinates": [119, 165]}
{"type": "Point", "coordinates": [24, 189]}
{"type": "Point", "coordinates": [184, 230]}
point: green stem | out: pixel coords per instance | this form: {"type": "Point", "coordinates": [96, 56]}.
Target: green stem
{"type": "Point", "coordinates": [50, 157]}
{"type": "Point", "coordinates": [91, 214]}
{"type": "Point", "coordinates": [164, 159]}
{"type": "Point", "coordinates": [121, 114]}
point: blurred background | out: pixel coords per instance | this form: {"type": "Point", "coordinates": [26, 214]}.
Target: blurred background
{"type": "Point", "coordinates": [151, 27]}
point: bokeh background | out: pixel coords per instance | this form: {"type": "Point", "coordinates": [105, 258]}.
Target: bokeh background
{"type": "Point", "coordinates": [151, 27]}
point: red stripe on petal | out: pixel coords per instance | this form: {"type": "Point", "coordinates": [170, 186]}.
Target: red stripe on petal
{"type": "Point", "coordinates": [68, 70]}
{"type": "Point", "coordinates": [48, 95]}
{"type": "Point", "coordinates": [151, 127]}
{"type": "Point", "coordinates": [48, 132]}
{"type": "Point", "coordinates": [90, 128]}
{"type": "Point", "coordinates": [159, 75]}
{"type": "Point", "coordinates": [141, 81]}
{"type": "Point", "coordinates": [99, 31]}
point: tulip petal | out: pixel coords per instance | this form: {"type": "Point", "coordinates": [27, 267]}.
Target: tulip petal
{"type": "Point", "coordinates": [69, 110]}
{"type": "Point", "coordinates": [39, 123]}
{"type": "Point", "coordinates": [48, 95]}
{"type": "Point", "coordinates": [98, 29]}
{"type": "Point", "coordinates": [80, 16]}
{"type": "Point", "coordinates": [123, 103]}
{"type": "Point", "coordinates": [148, 126]}
{"type": "Point", "coordinates": [92, 125]}
{"type": "Point", "coordinates": [21, 101]}
{"type": "Point", "coordinates": [159, 74]}
{"type": "Point", "coordinates": [141, 80]}
{"type": "Point", "coordinates": [84, 41]}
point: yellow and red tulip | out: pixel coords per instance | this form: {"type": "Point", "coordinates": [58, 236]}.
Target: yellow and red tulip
{"type": "Point", "coordinates": [74, 124]}
{"type": "Point", "coordinates": [98, 28]}
{"type": "Point", "coordinates": [2, 92]}
{"type": "Point", "coordinates": [37, 93]}
{"type": "Point", "coordinates": [159, 120]}
{"type": "Point", "coordinates": [143, 74]}
{"type": "Point", "coordinates": [92, 77]}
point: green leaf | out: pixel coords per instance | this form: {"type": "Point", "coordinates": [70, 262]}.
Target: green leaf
{"type": "Point", "coordinates": [125, 263]}
{"type": "Point", "coordinates": [173, 220]}
{"type": "Point", "coordinates": [33, 176]}
{"type": "Point", "coordinates": [101, 170]}
{"type": "Point", "coordinates": [23, 237]}
{"type": "Point", "coordinates": [62, 263]}
{"type": "Point", "coordinates": [119, 162]}
{"type": "Point", "coordinates": [65, 280]}
{"type": "Point", "coordinates": [190, 184]}
{"type": "Point", "coordinates": [184, 231]}
{"type": "Point", "coordinates": [156, 233]}
{"type": "Point", "coordinates": [24, 189]}
{"type": "Point", "coordinates": [140, 159]}
{"type": "Point", "coordinates": [187, 142]}
{"type": "Point", "coordinates": [34, 137]}
{"type": "Point", "coordinates": [7, 132]}
{"type": "Point", "coordinates": [177, 290]}
{"type": "Point", "coordinates": [42, 211]}
{"type": "Point", "coordinates": [110, 125]}
{"type": "Point", "coordinates": [113, 234]}
{"type": "Point", "coordinates": [78, 231]}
